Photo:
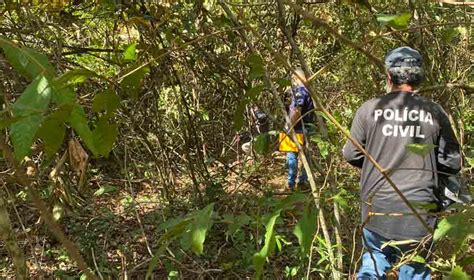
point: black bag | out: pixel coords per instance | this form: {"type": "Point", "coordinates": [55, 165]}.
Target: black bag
{"type": "Point", "coordinates": [451, 190]}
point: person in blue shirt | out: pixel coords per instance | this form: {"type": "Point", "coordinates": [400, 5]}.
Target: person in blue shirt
{"type": "Point", "coordinates": [301, 114]}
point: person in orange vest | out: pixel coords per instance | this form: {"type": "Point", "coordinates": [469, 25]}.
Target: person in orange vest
{"type": "Point", "coordinates": [301, 113]}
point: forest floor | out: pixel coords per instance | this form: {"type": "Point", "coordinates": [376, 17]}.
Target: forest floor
{"type": "Point", "coordinates": [117, 227]}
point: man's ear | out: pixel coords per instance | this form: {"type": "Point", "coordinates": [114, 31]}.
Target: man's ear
{"type": "Point", "coordinates": [389, 84]}
{"type": "Point", "coordinates": [389, 78]}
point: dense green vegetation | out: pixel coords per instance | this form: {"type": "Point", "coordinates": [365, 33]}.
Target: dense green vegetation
{"type": "Point", "coordinates": [120, 156]}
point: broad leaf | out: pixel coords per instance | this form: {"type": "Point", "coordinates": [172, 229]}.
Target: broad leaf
{"type": "Point", "coordinates": [174, 232]}
{"type": "Point", "coordinates": [132, 82]}
{"type": "Point", "coordinates": [106, 101]}
{"type": "Point", "coordinates": [63, 95]}
{"type": "Point", "coordinates": [253, 93]}
{"type": "Point", "coordinates": [340, 199]}
{"type": "Point", "coordinates": [75, 76]}
{"type": "Point", "coordinates": [284, 82]}
{"type": "Point", "coordinates": [322, 144]}
{"type": "Point", "coordinates": [22, 134]}
{"type": "Point", "coordinates": [419, 259]}
{"type": "Point", "coordinates": [399, 21]}
{"type": "Point", "coordinates": [52, 131]}
{"type": "Point", "coordinates": [78, 121]}
{"type": "Point", "coordinates": [260, 257]}
{"type": "Point", "coordinates": [306, 228]}
{"type": "Point", "coordinates": [104, 136]}
{"type": "Point", "coordinates": [35, 98]}
{"type": "Point", "coordinates": [105, 189]}
{"type": "Point", "coordinates": [130, 53]}
{"type": "Point", "coordinates": [235, 223]}
{"type": "Point", "coordinates": [239, 117]}
{"type": "Point", "coordinates": [28, 62]}
{"type": "Point", "coordinates": [200, 226]}
{"type": "Point", "coordinates": [6, 121]}
{"type": "Point", "coordinates": [262, 143]}
{"type": "Point", "coordinates": [255, 62]}
{"type": "Point", "coordinates": [457, 227]}
{"type": "Point", "coordinates": [457, 274]}
{"type": "Point", "coordinates": [290, 201]}
{"type": "Point", "coordinates": [30, 107]}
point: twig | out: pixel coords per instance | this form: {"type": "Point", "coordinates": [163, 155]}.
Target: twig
{"type": "Point", "coordinates": [132, 193]}
{"type": "Point", "coordinates": [172, 49]}
{"type": "Point", "coordinates": [70, 247]}
{"type": "Point", "coordinates": [95, 264]}
{"type": "Point", "coordinates": [321, 23]}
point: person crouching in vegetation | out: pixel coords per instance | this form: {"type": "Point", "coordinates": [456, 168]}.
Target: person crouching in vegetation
{"type": "Point", "coordinates": [389, 128]}
{"type": "Point", "coordinates": [301, 113]}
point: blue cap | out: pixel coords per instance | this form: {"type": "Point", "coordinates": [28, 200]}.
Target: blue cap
{"type": "Point", "coordinates": [403, 57]}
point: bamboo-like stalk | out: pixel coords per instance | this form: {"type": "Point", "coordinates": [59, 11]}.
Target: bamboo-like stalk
{"type": "Point", "coordinates": [305, 161]}
{"type": "Point", "coordinates": [322, 108]}
{"type": "Point", "coordinates": [7, 235]}
{"type": "Point", "coordinates": [55, 229]}
{"type": "Point", "coordinates": [336, 260]}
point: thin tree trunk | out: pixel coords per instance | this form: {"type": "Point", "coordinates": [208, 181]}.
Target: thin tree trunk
{"type": "Point", "coordinates": [8, 237]}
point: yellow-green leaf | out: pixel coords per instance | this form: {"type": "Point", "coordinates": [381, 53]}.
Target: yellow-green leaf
{"type": "Point", "coordinates": [399, 21]}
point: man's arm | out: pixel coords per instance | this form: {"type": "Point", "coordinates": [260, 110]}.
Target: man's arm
{"type": "Point", "coordinates": [297, 102]}
{"type": "Point", "coordinates": [295, 115]}
{"type": "Point", "coordinates": [448, 153]}
{"type": "Point", "coordinates": [350, 152]}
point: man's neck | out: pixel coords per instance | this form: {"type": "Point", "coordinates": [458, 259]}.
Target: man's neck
{"type": "Point", "coordinates": [404, 87]}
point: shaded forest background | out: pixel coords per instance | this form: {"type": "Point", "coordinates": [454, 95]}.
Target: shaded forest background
{"type": "Point", "coordinates": [122, 123]}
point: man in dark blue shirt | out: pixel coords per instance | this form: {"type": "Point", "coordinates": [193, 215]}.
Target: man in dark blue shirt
{"type": "Point", "coordinates": [301, 116]}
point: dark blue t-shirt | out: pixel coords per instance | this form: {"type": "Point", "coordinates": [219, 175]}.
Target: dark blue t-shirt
{"type": "Point", "coordinates": [300, 98]}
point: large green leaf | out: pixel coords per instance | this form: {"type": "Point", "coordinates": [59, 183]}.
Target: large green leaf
{"type": "Point", "coordinates": [323, 145]}
{"type": "Point", "coordinates": [131, 83]}
{"type": "Point", "coordinates": [254, 92]}
{"type": "Point", "coordinates": [104, 136]}
{"type": "Point", "coordinates": [174, 232]}
{"type": "Point", "coordinates": [200, 226]}
{"type": "Point", "coordinates": [74, 76]}
{"type": "Point", "coordinates": [35, 98]}
{"type": "Point", "coordinates": [305, 228]}
{"type": "Point", "coordinates": [256, 64]}
{"type": "Point", "coordinates": [31, 105]}
{"type": "Point", "coordinates": [235, 223]}
{"type": "Point", "coordinates": [399, 21]}
{"type": "Point", "coordinates": [269, 246]}
{"type": "Point", "coordinates": [457, 227]}
{"type": "Point", "coordinates": [63, 95]}
{"type": "Point", "coordinates": [106, 101]}
{"type": "Point", "coordinates": [6, 121]}
{"type": "Point", "coordinates": [457, 274]}
{"type": "Point", "coordinates": [239, 117]}
{"type": "Point", "coordinates": [78, 121]}
{"type": "Point", "coordinates": [52, 131]}
{"type": "Point", "coordinates": [290, 201]}
{"type": "Point", "coordinates": [22, 134]}
{"type": "Point", "coordinates": [262, 143]}
{"type": "Point", "coordinates": [28, 62]}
